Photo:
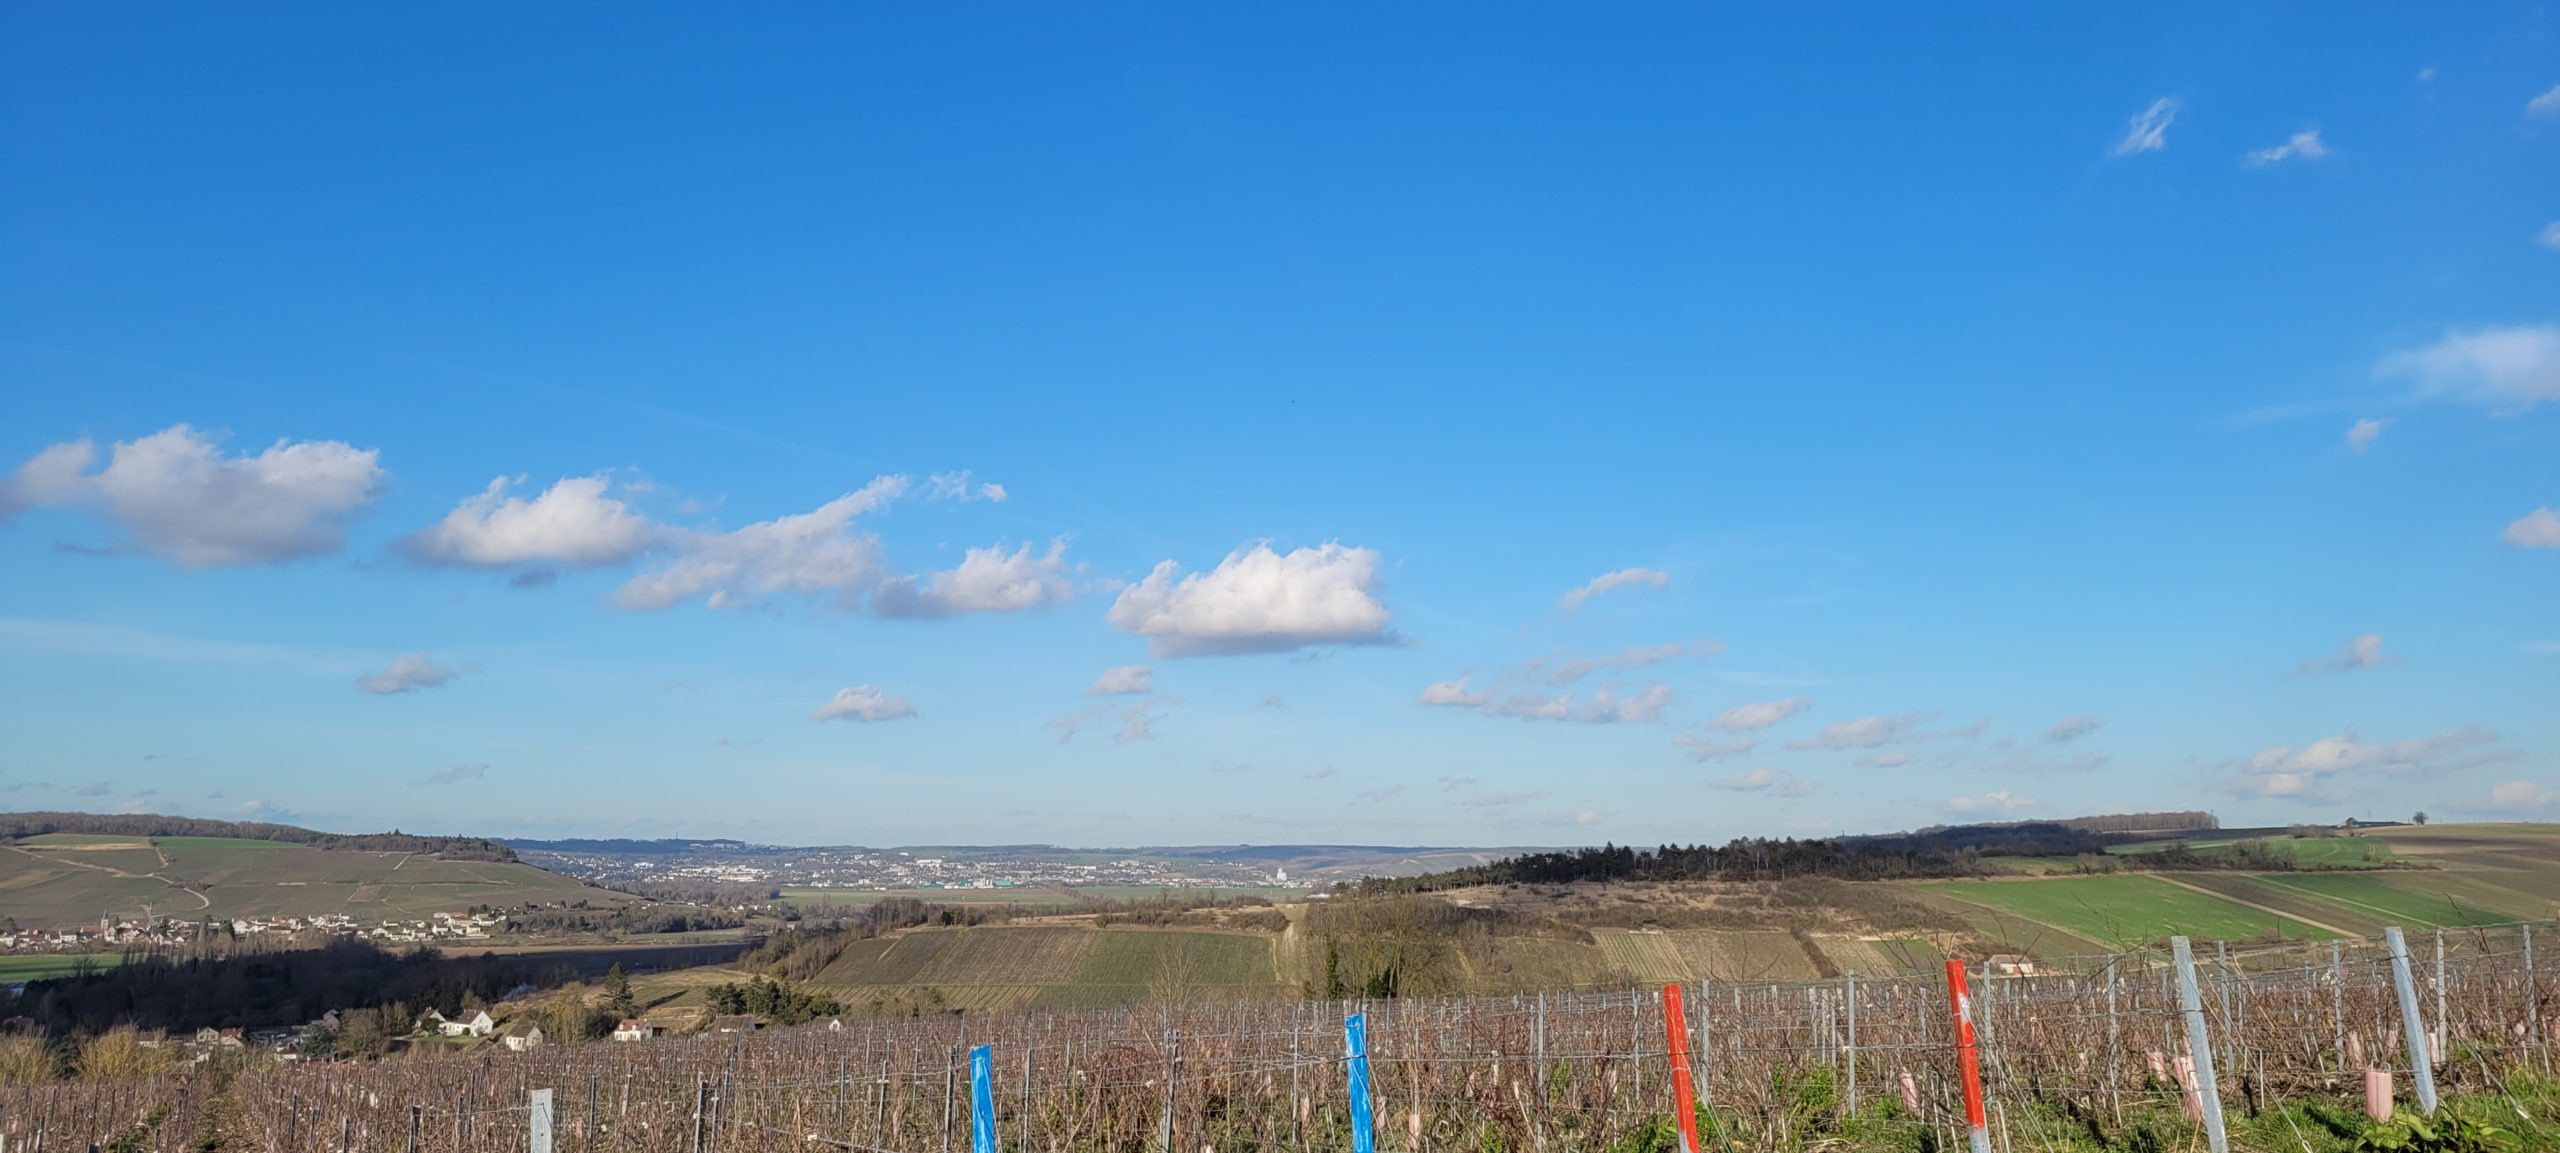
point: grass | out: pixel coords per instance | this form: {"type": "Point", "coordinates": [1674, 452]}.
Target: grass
{"type": "Point", "coordinates": [2406, 899]}
{"type": "Point", "coordinates": [2124, 909]}
{"type": "Point", "coordinates": [38, 966]}
{"type": "Point", "coordinates": [44, 883]}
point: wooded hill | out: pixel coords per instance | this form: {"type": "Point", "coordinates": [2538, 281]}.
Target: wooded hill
{"type": "Point", "coordinates": [16, 825]}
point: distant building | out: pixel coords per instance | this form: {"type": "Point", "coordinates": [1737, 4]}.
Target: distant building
{"type": "Point", "coordinates": [634, 1029]}
{"type": "Point", "coordinates": [521, 1036]}
{"type": "Point", "coordinates": [2009, 965]}
{"type": "Point", "coordinates": [476, 1025]}
{"type": "Point", "coordinates": [733, 1023]}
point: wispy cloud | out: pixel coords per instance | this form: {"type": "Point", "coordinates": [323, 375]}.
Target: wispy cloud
{"type": "Point", "coordinates": [1998, 802]}
{"type": "Point", "coordinates": [1757, 715]}
{"type": "Point", "coordinates": [1771, 782]}
{"type": "Point", "coordinates": [2362, 434]}
{"type": "Point", "coordinates": [2537, 529]}
{"type": "Point", "coordinates": [1624, 578]}
{"type": "Point", "coordinates": [2363, 652]}
{"type": "Point", "coordinates": [2547, 104]}
{"type": "Point", "coordinates": [2149, 130]}
{"type": "Point", "coordinates": [2303, 145]}
{"type": "Point", "coordinates": [2506, 370]}
{"type": "Point", "coordinates": [407, 674]}
{"type": "Point", "coordinates": [456, 774]}
{"type": "Point", "coordinates": [863, 703]}
{"type": "Point", "coordinates": [2072, 728]}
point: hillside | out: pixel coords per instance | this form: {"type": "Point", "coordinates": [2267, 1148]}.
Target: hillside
{"type": "Point", "coordinates": [1503, 938]}
{"type": "Point", "coordinates": [65, 879]}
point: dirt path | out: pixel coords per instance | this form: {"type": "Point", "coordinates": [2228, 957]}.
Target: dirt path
{"type": "Point", "coordinates": [202, 902]}
{"type": "Point", "coordinates": [2267, 909]}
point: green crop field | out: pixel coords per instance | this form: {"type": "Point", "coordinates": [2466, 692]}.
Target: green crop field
{"type": "Point", "coordinates": [2261, 889]}
{"type": "Point", "coordinates": [2123, 909]}
{"type": "Point", "coordinates": [2409, 899]}
{"type": "Point", "coordinates": [38, 966]}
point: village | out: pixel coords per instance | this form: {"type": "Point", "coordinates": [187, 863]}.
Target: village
{"type": "Point", "coordinates": [152, 932]}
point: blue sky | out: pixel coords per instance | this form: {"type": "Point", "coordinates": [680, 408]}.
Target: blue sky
{"type": "Point", "coordinates": [2046, 412]}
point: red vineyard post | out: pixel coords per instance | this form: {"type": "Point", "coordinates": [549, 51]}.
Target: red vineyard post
{"type": "Point", "coordinates": [1684, 1095]}
{"type": "Point", "coordinates": [1967, 1061]}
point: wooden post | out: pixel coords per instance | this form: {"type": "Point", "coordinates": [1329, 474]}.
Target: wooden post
{"type": "Point", "coordinates": [701, 1110]}
{"type": "Point", "coordinates": [415, 1115]}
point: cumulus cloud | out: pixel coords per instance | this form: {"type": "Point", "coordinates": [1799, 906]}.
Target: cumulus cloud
{"type": "Point", "coordinates": [2364, 652]}
{"type": "Point", "coordinates": [1773, 782]}
{"type": "Point", "coordinates": [456, 775]}
{"type": "Point", "coordinates": [2547, 104]}
{"type": "Point", "coordinates": [414, 671]}
{"type": "Point", "coordinates": [2362, 434]}
{"type": "Point", "coordinates": [1998, 802]}
{"type": "Point", "coordinates": [2303, 145]}
{"type": "Point", "coordinates": [2317, 771]}
{"type": "Point", "coordinates": [2149, 130]}
{"type": "Point", "coordinates": [1710, 749]}
{"type": "Point", "coordinates": [1870, 732]}
{"type": "Point", "coordinates": [178, 497]}
{"type": "Point", "coordinates": [1127, 680]}
{"type": "Point", "coordinates": [1608, 707]}
{"type": "Point", "coordinates": [2072, 729]}
{"type": "Point", "coordinates": [2506, 370]}
{"type": "Point", "coordinates": [988, 580]}
{"type": "Point", "coordinates": [2508, 797]}
{"type": "Point", "coordinates": [2537, 529]}
{"type": "Point", "coordinates": [1258, 601]}
{"type": "Point", "coordinates": [1610, 581]}
{"type": "Point", "coordinates": [1640, 656]}
{"type": "Point", "coordinates": [815, 553]}
{"type": "Point", "coordinates": [575, 523]}
{"type": "Point", "coordinates": [863, 703]}
{"type": "Point", "coordinates": [1757, 715]}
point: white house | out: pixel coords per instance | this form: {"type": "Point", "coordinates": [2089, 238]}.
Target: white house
{"type": "Point", "coordinates": [521, 1036]}
{"type": "Point", "coordinates": [476, 1025]}
{"type": "Point", "coordinates": [634, 1029]}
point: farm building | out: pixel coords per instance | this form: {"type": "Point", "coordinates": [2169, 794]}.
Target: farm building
{"type": "Point", "coordinates": [521, 1036]}
{"type": "Point", "coordinates": [634, 1029]}
{"type": "Point", "coordinates": [733, 1023]}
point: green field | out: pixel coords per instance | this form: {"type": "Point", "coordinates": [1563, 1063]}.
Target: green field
{"type": "Point", "coordinates": [38, 966]}
{"type": "Point", "coordinates": [1033, 896]}
{"type": "Point", "coordinates": [2410, 900]}
{"type": "Point", "coordinates": [2123, 909]}
{"type": "Point", "coordinates": [62, 879]}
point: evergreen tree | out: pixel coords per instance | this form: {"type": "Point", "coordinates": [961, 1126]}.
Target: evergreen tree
{"type": "Point", "coordinates": [617, 992]}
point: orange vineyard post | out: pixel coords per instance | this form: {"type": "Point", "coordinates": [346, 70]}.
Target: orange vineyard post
{"type": "Point", "coordinates": [1970, 1065]}
{"type": "Point", "coordinates": [1684, 1095]}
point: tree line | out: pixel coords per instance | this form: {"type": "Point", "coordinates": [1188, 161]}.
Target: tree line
{"type": "Point", "coordinates": [17, 825]}
{"type": "Point", "coordinates": [260, 990]}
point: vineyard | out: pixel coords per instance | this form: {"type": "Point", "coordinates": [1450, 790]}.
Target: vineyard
{"type": "Point", "coordinates": [2092, 1053]}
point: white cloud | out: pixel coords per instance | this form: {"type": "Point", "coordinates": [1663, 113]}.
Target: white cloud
{"type": "Point", "coordinates": [2510, 797]}
{"type": "Point", "coordinates": [2363, 652]}
{"type": "Point", "coordinates": [863, 703]}
{"type": "Point", "coordinates": [1757, 715]}
{"type": "Point", "coordinates": [1709, 749]}
{"type": "Point", "coordinates": [2506, 370]}
{"type": "Point", "coordinates": [988, 580]}
{"type": "Point", "coordinates": [573, 523]}
{"type": "Point", "coordinates": [1999, 802]}
{"type": "Point", "coordinates": [2072, 729]}
{"type": "Point", "coordinates": [2362, 434]}
{"type": "Point", "coordinates": [1532, 707]}
{"type": "Point", "coordinates": [1605, 582]}
{"type": "Point", "coordinates": [2149, 131]}
{"type": "Point", "coordinates": [1258, 601]}
{"type": "Point", "coordinates": [1885, 759]}
{"type": "Point", "coordinates": [1870, 732]}
{"type": "Point", "coordinates": [956, 486]}
{"type": "Point", "coordinates": [2537, 529]}
{"type": "Point", "coordinates": [1774, 782]}
{"type": "Point", "coordinates": [414, 671]}
{"type": "Point", "coordinates": [2550, 237]}
{"type": "Point", "coordinates": [182, 500]}
{"type": "Point", "coordinates": [2547, 104]}
{"type": "Point", "coordinates": [1606, 707]}
{"type": "Point", "coordinates": [1637, 657]}
{"type": "Point", "coordinates": [456, 775]}
{"type": "Point", "coordinates": [2315, 771]}
{"type": "Point", "coordinates": [2303, 145]}
{"type": "Point", "coordinates": [812, 553]}
{"type": "Point", "coordinates": [1454, 694]}
{"type": "Point", "coordinates": [1127, 680]}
